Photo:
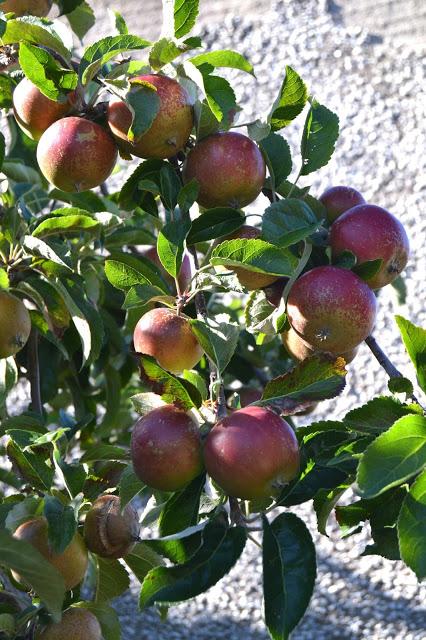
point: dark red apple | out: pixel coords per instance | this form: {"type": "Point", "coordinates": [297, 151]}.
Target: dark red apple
{"type": "Point", "coordinates": [337, 200]}
{"type": "Point", "coordinates": [274, 291]}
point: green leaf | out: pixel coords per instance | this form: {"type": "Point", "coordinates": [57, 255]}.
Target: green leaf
{"type": "Point", "coordinates": [393, 457]}
{"type": "Point", "coordinates": [368, 269]}
{"type": "Point", "coordinates": [66, 6]}
{"type": "Point", "coordinates": [99, 53]}
{"type": "Point", "coordinates": [172, 390]}
{"type": "Point", "coordinates": [324, 503]}
{"type": "Point", "coordinates": [36, 31]}
{"type": "Point", "coordinates": [289, 573]}
{"type": "Point", "coordinates": [181, 509]}
{"type": "Point", "coordinates": [223, 58]}
{"type": "Point", "coordinates": [412, 527]}
{"type": "Point", "coordinates": [41, 249]}
{"type": "Point", "coordinates": [45, 73]}
{"type": "Point", "coordinates": [255, 255]}
{"type": "Point", "coordinates": [107, 617]}
{"type": "Point", "coordinates": [220, 96]}
{"type": "Point", "coordinates": [146, 402]}
{"type": "Point", "coordinates": [219, 340]}
{"type": "Point", "coordinates": [8, 379]}
{"type": "Point", "coordinates": [220, 549]}
{"type": "Point", "coordinates": [62, 524]}
{"type": "Point", "coordinates": [164, 51]}
{"type": "Point", "coordinates": [290, 101]}
{"type": "Point", "coordinates": [185, 15]}
{"type": "Point", "coordinates": [414, 338]}
{"type": "Point", "coordinates": [187, 195]}
{"type": "Point", "coordinates": [378, 415]}
{"type": "Point", "coordinates": [319, 138]}
{"type": "Point", "coordinates": [277, 154]}
{"type": "Point", "coordinates": [2, 148]}
{"type": "Point", "coordinates": [125, 271]}
{"type": "Point", "coordinates": [399, 384]}
{"type": "Point", "coordinates": [317, 207]}
{"type": "Point", "coordinates": [104, 452]}
{"type": "Point", "coordinates": [81, 19]}
{"type": "Point", "coordinates": [142, 559]}
{"type": "Point", "coordinates": [66, 224]}
{"type": "Point", "coordinates": [197, 380]}
{"type": "Point", "coordinates": [130, 486]}
{"type": "Point", "coordinates": [6, 90]}
{"type": "Point", "coordinates": [112, 580]}
{"type": "Point", "coordinates": [144, 104]}
{"type": "Point", "coordinates": [215, 223]}
{"type": "Point", "coordinates": [31, 466]}
{"type": "Point", "coordinates": [46, 581]}
{"type": "Point", "coordinates": [171, 245]}
{"type": "Point", "coordinates": [287, 222]}
{"type": "Point", "coordinates": [119, 22]}
{"type": "Point", "coordinates": [315, 478]}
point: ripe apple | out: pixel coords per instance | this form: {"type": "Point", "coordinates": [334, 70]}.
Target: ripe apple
{"type": "Point", "coordinates": [185, 273]}
{"type": "Point", "coordinates": [108, 531]}
{"type": "Point", "coordinates": [172, 125]}
{"type": "Point", "coordinates": [252, 453]}
{"type": "Point", "coordinates": [33, 112]}
{"type": "Point", "coordinates": [337, 200]}
{"type": "Point", "coordinates": [77, 624]}
{"type": "Point", "coordinates": [274, 291]}
{"type": "Point", "coordinates": [75, 154]}
{"type": "Point", "coordinates": [332, 309]}
{"type": "Point", "coordinates": [372, 233]}
{"type": "Point", "coordinates": [38, 8]}
{"type": "Point", "coordinates": [300, 350]}
{"type": "Point", "coordinates": [169, 338]}
{"type": "Point", "coordinates": [15, 324]}
{"type": "Point", "coordinates": [72, 563]}
{"type": "Point", "coordinates": [166, 448]}
{"type": "Point", "coordinates": [229, 168]}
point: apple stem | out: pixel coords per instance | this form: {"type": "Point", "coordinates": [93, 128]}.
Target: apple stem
{"type": "Point", "coordinates": [34, 372]}
{"type": "Point", "coordinates": [384, 361]}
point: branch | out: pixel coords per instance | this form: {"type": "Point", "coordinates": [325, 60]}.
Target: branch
{"type": "Point", "coordinates": [34, 372]}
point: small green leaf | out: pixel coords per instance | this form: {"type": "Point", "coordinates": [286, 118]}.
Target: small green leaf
{"type": "Point", "coordinates": [319, 138]}
{"type": "Point", "coordinates": [130, 486]}
{"type": "Point", "coordinates": [255, 255]}
{"type": "Point", "coordinates": [215, 223]}
{"type": "Point", "coordinates": [185, 15]}
{"type": "Point", "coordinates": [197, 380]}
{"type": "Point", "coordinates": [412, 527]}
{"type": "Point", "coordinates": [223, 58]}
{"type": "Point", "coordinates": [219, 340]}
{"type": "Point", "coordinates": [172, 390]}
{"type": "Point", "coordinates": [187, 195]}
{"type": "Point", "coordinates": [125, 271]}
{"type": "Point", "coordinates": [278, 157]}
{"type": "Point", "coordinates": [81, 19]}
{"type": "Point", "coordinates": [95, 56]}
{"type": "Point", "coordinates": [112, 580]}
{"type": "Point", "coordinates": [41, 249]}
{"type": "Point", "coordinates": [144, 104]}
{"type": "Point", "coordinates": [104, 452]}
{"type": "Point", "coordinates": [290, 101]}
{"type": "Point", "coordinates": [289, 573]}
{"type": "Point", "coordinates": [142, 559]}
{"type": "Point", "coordinates": [171, 245]}
{"type": "Point", "coordinates": [368, 269]}
{"type": "Point", "coordinates": [119, 22]}
{"type": "Point", "coordinates": [400, 384]}
{"type": "Point", "coordinates": [62, 524]}
{"type": "Point", "coordinates": [220, 96]}
{"type": "Point", "coordinates": [34, 30]}
{"type": "Point", "coordinates": [164, 51]}
{"type": "Point", "coordinates": [65, 224]}
{"type": "Point", "coordinates": [287, 222]}
{"type": "Point", "coordinates": [45, 73]}
{"type": "Point", "coordinates": [181, 509]}
{"type": "Point", "coordinates": [378, 415]}
{"type": "Point", "coordinates": [414, 338]}
{"type": "Point", "coordinates": [393, 457]}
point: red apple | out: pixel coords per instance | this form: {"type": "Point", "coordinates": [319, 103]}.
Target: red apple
{"type": "Point", "coordinates": [172, 125]}
{"type": "Point", "coordinates": [229, 168]}
{"type": "Point", "coordinates": [169, 338]}
{"type": "Point", "coordinates": [299, 350]}
{"type": "Point", "coordinates": [252, 453]}
{"type": "Point", "coordinates": [166, 449]}
{"type": "Point", "coordinates": [331, 309]}
{"type": "Point", "coordinates": [75, 154]}
{"type": "Point", "coordinates": [372, 233]}
{"type": "Point", "coordinates": [274, 292]}
{"type": "Point", "coordinates": [337, 200]}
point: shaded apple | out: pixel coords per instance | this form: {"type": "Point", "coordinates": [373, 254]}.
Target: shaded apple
{"type": "Point", "coordinates": [71, 563]}
{"type": "Point", "coordinates": [229, 168]}
{"type": "Point", "coordinates": [34, 112]}
{"type": "Point", "coordinates": [339, 199]}
{"type": "Point", "coordinates": [274, 291]}
{"type": "Point", "coordinates": [331, 309]}
{"type": "Point", "coordinates": [372, 233]}
{"type": "Point", "coordinates": [252, 453]}
{"type": "Point", "coordinates": [166, 448]}
{"type": "Point", "coordinates": [77, 623]}
{"type": "Point", "coordinates": [169, 338]}
{"type": "Point", "coordinates": [15, 323]}
{"type": "Point", "coordinates": [108, 531]}
{"type": "Point", "coordinates": [300, 350]}
{"type": "Point", "coordinates": [75, 154]}
{"type": "Point", "coordinates": [170, 129]}
{"type": "Point", "coordinates": [38, 8]}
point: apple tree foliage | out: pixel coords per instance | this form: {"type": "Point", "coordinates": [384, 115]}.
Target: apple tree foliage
{"type": "Point", "coordinates": [76, 261]}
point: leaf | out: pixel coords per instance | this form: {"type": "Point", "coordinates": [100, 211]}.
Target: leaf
{"type": "Point", "coordinates": [185, 15]}
{"type": "Point", "coordinates": [8, 379]}
{"type": "Point", "coordinates": [415, 342]}
{"type": "Point", "coordinates": [36, 31]}
{"type": "Point", "coordinates": [95, 56]}
{"type": "Point", "coordinates": [2, 148]}
{"type": "Point", "coordinates": [378, 415]}
{"type": "Point", "coordinates": [40, 248]}
{"type": "Point", "coordinates": [62, 524]}
{"type": "Point", "coordinates": [393, 457]}
{"type": "Point", "coordinates": [104, 451]}
{"type": "Point", "coordinates": [277, 154]}
{"type": "Point", "coordinates": [144, 104]}
{"type": "Point", "coordinates": [302, 194]}
{"type": "Point", "coordinates": [215, 223]}
{"type": "Point", "coordinates": [223, 58]}
{"type": "Point", "coordinates": [290, 101]}
{"type": "Point", "coordinates": [187, 195]}
{"type": "Point", "coordinates": [119, 22]}
{"type": "Point", "coordinates": [181, 509]}
{"type": "Point", "coordinates": [255, 255]}
{"type": "Point", "coordinates": [171, 245]}
{"type": "Point", "coordinates": [287, 222]}
{"type": "Point", "coordinates": [368, 269]}
{"type": "Point", "coordinates": [219, 340]}
{"type": "Point", "coordinates": [31, 466]}
{"type": "Point", "coordinates": [45, 73]}
{"type": "Point", "coordinates": [172, 390]}
{"type": "Point", "coordinates": [46, 581]}
{"type": "Point", "coordinates": [6, 89]}
{"type": "Point", "coordinates": [66, 6]}
{"type": "Point", "coordinates": [289, 573]}
{"type": "Point", "coordinates": [399, 384]}
{"type": "Point", "coordinates": [315, 478]}
{"type": "Point", "coordinates": [130, 486]}
{"type": "Point", "coordinates": [220, 549]}
{"type": "Point", "coordinates": [324, 503]}
{"type": "Point", "coordinates": [66, 224]}
{"type": "Point", "coordinates": [107, 617]}
{"type": "Point", "coordinates": [124, 271]}
{"type": "Point", "coordinates": [112, 580]}
{"type": "Point", "coordinates": [197, 380]}
{"type": "Point", "coordinates": [412, 527]}
{"type": "Point", "coordinates": [319, 138]}
{"type": "Point", "coordinates": [146, 402]}
{"type": "Point", "coordinates": [142, 559]}
{"type": "Point", "coordinates": [166, 50]}
{"type": "Point", "coordinates": [81, 19]}
{"type": "Point", "coordinates": [220, 96]}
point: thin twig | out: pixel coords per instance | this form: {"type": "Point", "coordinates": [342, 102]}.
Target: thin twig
{"type": "Point", "coordinates": [34, 372]}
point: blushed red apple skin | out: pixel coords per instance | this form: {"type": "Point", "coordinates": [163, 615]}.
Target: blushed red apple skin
{"type": "Point", "coordinates": [252, 453]}
{"type": "Point", "coordinates": [75, 154]}
{"type": "Point", "coordinates": [20, 8]}
{"type": "Point", "coordinates": [167, 337]}
{"type": "Point", "coordinates": [274, 291]}
{"type": "Point", "coordinates": [229, 168]}
{"type": "Point", "coordinates": [166, 449]}
{"type": "Point", "coordinates": [299, 350]}
{"type": "Point", "coordinates": [172, 125]}
{"type": "Point", "coordinates": [339, 199]}
{"type": "Point", "coordinates": [372, 233]}
{"type": "Point", "coordinates": [34, 112]}
{"type": "Point", "coordinates": [331, 309]}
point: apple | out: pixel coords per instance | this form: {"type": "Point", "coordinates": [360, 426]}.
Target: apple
{"type": "Point", "coordinates": [166, 448]}
{"type": "Point", "coordinates": [169, 338]}
{"type": "Point", "coordinates": [229, 168]}
{"type": "Point", "coordinates": [331, 309]}
{"type": "Point", "coordinates": [77, 623]}
{"type": "Point", "coordinates": [34, 112]}
{"type": "Point", "coordinates": [15, 322]}
{"type": "Point", "coordinates": [339, 199]}
{"type": "Point", "coordinates": [300, 350]}
{"type": "Point", "coordinates": [252, 453]}
{"type": "Point", "coordinates": [170, 129]}
{"type": "Point", "coordinates": [372, 233]}
{"type": "Point", "coordinates": [274, 291]}
{"type": "Point", "coordinates": [108, 531]}
{"type": "Point", "coordinates": [75, 154]}
{"type": "Point", "coordinates": [38, 8]}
